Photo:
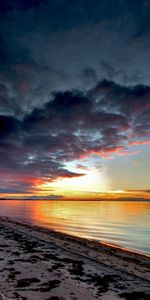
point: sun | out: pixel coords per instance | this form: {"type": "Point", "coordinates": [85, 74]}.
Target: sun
{"type": "Point", "coordinates": [92, 181]}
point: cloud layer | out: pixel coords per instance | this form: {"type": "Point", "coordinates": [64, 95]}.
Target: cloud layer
{"type": "Point", "coordinates": [72, 125]}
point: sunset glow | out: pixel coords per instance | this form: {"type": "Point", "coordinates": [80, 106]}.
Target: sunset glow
{"type": "Point", "coordinates": [92, 181]}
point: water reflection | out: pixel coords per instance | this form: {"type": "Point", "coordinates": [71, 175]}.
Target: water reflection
{"type": "Point", "coordinates": [123, 223]}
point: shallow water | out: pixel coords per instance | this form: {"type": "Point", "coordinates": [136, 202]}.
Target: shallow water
{"type": "Point", "coordinates": [126, 224]}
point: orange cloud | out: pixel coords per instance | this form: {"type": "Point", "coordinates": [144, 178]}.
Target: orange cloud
{"type": "Point", "coordinates": [136, 143]}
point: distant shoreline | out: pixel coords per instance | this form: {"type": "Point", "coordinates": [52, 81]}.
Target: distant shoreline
{"type": "Point", "coordinates": [79, 200]}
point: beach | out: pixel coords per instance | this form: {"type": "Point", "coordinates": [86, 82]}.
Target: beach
{"type": "Point", "coordinates": [40, 264]}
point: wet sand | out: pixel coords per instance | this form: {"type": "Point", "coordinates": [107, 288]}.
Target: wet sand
{"type": "Point", "coordinates": [40, 264]}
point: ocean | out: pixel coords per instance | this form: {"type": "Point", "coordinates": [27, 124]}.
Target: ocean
{"type": "Point", "coordinates": [125, 224]}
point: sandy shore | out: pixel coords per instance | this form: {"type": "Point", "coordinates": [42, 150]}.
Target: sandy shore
{"type": "Point", "coordinates": [40, 264]}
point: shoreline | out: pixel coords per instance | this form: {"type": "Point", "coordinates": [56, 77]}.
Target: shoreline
{"type": "Point", "coordinates": [75, 237]}
{"type": "Point", "coordinates": [91, 241]}
{"type": "Point", "coordinates": [92, 269]}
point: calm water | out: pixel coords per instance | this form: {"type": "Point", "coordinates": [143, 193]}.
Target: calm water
{"type": "Point", "coordinates": [123, 223]}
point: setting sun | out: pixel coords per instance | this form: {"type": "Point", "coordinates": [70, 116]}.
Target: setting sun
{"type": "Point", "coordinates": [92, 181]}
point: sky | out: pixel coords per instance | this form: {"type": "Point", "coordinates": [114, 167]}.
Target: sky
{"type": "Point", "coordinates": [75, 99]}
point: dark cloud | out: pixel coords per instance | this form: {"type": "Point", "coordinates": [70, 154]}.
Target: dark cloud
{"type": "Point", "coordinates": [129, 100]}
{"type": "Point", "coordinates": [48, 45]}
{"type": "Point", "coordinates": [139, 191]}
{"type": "Point", "coordinates": [108, 69]}
{"type": "Point", "coordinates": [8, 125]}
{"type": "Point", "coordinates": [70, 126]}
{"type": "Point", "coordinates": [48, 197]}
{"type": "Point", "coordinates": [8, 5]}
